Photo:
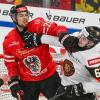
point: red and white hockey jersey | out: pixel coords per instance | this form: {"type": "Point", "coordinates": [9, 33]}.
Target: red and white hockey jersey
{"type": "Point", "coordinates": [80, 66]}
{"type": "Point", "coordinates": [85, 68]}
{"type": "Point", "coordinates": [35, 63]}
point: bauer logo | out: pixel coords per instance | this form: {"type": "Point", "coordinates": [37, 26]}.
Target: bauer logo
{"type": "Point", "coordinates": [6, 13]}
{"type": "Point", "coordinates": [65, 19]}
{"type": "Point", "coordinates": [94, 61]}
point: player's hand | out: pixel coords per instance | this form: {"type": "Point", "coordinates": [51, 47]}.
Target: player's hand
{"type": "Point", "coordinates": [15, 88]}
{"type": "Point", "coordinates": [69, 91]}
{"type": "Point", "coordinates": [31, 39]}
{"type": "Point", "coordinates": [74, 90]}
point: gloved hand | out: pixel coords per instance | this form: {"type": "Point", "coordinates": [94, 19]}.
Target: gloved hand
{"type": "Point", "coordinates": [1, 82]}
{"type": "Point", "coordinates": [68, 91]}
{"type": "Point", "coordinates": [74, 90]}
{"type": "Point", "coordinates": [15, 88]}
{"type": "Point", "coordinates": [31, 39]}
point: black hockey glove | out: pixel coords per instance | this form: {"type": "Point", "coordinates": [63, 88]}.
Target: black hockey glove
{"type": "Point", "coordinates": [1, 82]}
{"type": "Point", "coordinates": [69, 91]}
{"type": "Point", "coordinates": [74, 90]}
{"type": "Point", "coordinates": [31, 39]}
{"type": "Point", "coordinates": [15, 88]}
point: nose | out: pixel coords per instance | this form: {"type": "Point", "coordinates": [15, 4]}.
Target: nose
{"type": "Point", "coordinates": [25, 16]}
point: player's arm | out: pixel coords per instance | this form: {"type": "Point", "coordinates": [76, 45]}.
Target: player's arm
{"type": "Point", "coordinates": [33, 40]}
{"type": "Point", "coordinates": [64, 40]}
{"type": "Point", "coordinates": [10, 60]}
{"type": "Point", "coordinates": [42, 26]}
{"type": "Point", "coordinates": [12, 67]}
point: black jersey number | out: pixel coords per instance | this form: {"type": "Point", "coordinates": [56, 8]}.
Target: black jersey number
{"type": "Point", "coordinates": [97, 72]}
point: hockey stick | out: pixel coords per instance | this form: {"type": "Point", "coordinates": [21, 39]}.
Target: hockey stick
{"type": "Point", "coordinates": [56, 96]}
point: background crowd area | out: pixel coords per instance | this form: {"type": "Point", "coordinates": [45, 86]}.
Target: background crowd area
{"type": "Point", "coordinates": [92, 6]}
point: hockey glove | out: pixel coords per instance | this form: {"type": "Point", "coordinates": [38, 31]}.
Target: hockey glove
{"type": "Point", "coordinates": [1, 82]}
{"type": "Point", "coordinates": [69, 42]}
{"type": "Point", "coordinates": [59, 93]}
{"type": "Point", "coordinates": [15, 88]}
{"type": "Point", "coordinates": [74, 90]}
{"type": "Point", "coordinates": [31, 39]}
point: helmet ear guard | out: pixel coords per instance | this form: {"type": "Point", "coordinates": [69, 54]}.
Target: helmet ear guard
{"type": "Point", "coordinates": [13, 13]}
{"type": "Point", "coordinates": [92, 33]}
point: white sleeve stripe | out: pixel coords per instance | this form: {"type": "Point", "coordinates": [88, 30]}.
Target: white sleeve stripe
{"type": "Point", "coordinates": [63, 39]}
{"type": "Point", "coordinates": [14, 83]}
{"type": "Point", "coordinates": [7, 56]}
{"type": "Point", "coordinates": [9, 60]}
{"type": "Point", "coordinates": [46, 27]}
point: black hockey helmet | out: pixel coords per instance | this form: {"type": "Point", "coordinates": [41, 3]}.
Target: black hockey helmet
{"type": "Point", "coordinates": [92, 33]}
{"type": "Point", "coordinates": [17, 9]}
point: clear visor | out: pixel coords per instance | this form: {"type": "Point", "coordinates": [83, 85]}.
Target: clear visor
{"type": "Point", "coordinates": [88, 36]}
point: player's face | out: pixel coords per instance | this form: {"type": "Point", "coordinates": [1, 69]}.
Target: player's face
{"type": "Point", "coordinates": [84, 42]}
{"type": "Point", "coordinates": [22, 19]}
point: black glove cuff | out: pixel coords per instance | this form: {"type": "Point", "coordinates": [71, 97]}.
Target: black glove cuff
{"type": "Point", "coordinates": [75, 90]}
{"type": "Point", "coordinates": [13, 82]}
{"type": "Point", "coordinates": [1, 82]}
{"type": "Point", "coordinates": [39, 39]}
{"type": "Point", "coordinates": [61, 36]}
{"type": "Point", "coordinates": [14, 87]}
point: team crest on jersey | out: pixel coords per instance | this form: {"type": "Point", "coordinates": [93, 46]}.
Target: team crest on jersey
{"type": "Point", "coordinates": [68, 68]}
{"type": "Point", "coordinates": [33, 63]}
{"type": "Point", "coordinates": [94, 61]}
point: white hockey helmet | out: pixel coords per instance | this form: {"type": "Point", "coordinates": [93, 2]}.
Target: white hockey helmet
{"type": "Point", "coordinates": [92, 33]}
